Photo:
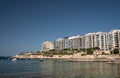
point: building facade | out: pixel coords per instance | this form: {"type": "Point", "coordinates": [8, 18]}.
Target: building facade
{"type": "Point", "coordinates": [46, 46]}
{"type": "Point", "coordinates": [99, 39]}
{"type": "Point", "coordinates": [114, 39]}
{"type": "Point", "coordinates": [61, 43]}
{"type": "Point", "coordinates": [102, 40]}
{"type": "Point", "coordinates": [75, 42]}
{"type": "Point", "coordinates": [89, 40]}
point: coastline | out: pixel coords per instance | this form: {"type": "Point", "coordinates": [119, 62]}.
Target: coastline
{"type": "Point", "coordinates": [75, 57]}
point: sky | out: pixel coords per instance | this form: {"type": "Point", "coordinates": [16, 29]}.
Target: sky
{"type": "Point", "coordinates": [26, 24]}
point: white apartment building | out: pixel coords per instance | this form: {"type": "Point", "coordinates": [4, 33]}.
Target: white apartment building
{"type": "Point", "coordinates": [75, 42]}
{"type": "Point", "coordinates": [46, 46]}
{"type": "Point", "coordinates": [58, 45]}
{"type": "Point", "coordinates": [114, 39]}
{"type": "Point", "coordinates": [99, 39]}
{"type": "Point", "coordinates": [89, 40]}
{"type": "Point", "coordinates": [61, 43]}
{"type": "Point", "coordinates": [102, 40]}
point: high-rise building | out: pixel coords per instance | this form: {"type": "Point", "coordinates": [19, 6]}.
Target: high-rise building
{"type": "Point", "coordinates": [89, 40]}
{"type": "Point", "coordinates": [99, 39]}
{"type": "Point", "coordinates": [114, 39]}
{"type": "Point", "coordinates": [102, 40]}
{"type": "Point", "coordinates": [75, 42]}
{"type": "Point", "coordinates": [61, 43]}
{"type": "Point", "coordinates": [46, 46]}
{"type": "Point", "coordinates": [58, 44]}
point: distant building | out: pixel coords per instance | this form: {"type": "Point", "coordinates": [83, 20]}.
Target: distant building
{"type": "Point", "coordinates": [102, 40]}
{"type": "Point", "coordinates": [61, 43]}
{"type": "Point", "coordinates": [46, 46]}
{"type": "Point", "coordinates": [89, 40]}
{"type": "Point", "coordinates": [99, 39]}
{"type": "Point", "coordinates": [114, 39]}
{"type": "Point", "coordinates": [75, 42]}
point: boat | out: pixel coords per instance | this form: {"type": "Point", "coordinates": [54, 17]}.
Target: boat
{"type": "Point", "coordinates": [41, 59]}
{"type": "Point", "coordinates": [14, 59]}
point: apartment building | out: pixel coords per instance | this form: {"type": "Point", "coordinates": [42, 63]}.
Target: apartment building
{"type": "Point", "coordinates": [75, 42]}
{"type": "Point", "coordinates": [89, 40]}
{"type": "Point", "coordinates": [61, 43]}
{"type": "Point", "coordinates": [102, 40]}
{"type": "Point", "coordinates": [99, 39]}
{"type": "Point", "coordinates": [46, 46]}
{"type": "Point", "coordinates": [114, 39]}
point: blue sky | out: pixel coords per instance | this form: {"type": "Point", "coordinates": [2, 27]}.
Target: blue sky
{"type": "Point", "coordinates": [25, 24]}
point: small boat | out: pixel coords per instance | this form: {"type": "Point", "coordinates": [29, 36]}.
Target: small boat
{"type": "Point", "coordinates": [14, 59]}
{"type": "Point", "coordinates": [41, 59]}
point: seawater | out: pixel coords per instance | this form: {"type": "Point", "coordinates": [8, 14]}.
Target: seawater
{"type": "Point", "coordinates": [57, 68]}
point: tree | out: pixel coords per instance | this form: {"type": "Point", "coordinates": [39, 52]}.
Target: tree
{"type": "Point", "coordinates": [96, 48]}
{"type": "Point", "coordinates": [115, 51]}
{"type": "Point", "coordinates": [52, 50]}
{"type": "Point", "coordinates": [65, 49]}
{"type": "Point", "coordinates": [89, 51]}
{"type": "Point", "coordinates": [76, 50]}
{"type": "Point", "coordinates": [40, 53]}
{"type": "Point", "coordinates": [83, 49]}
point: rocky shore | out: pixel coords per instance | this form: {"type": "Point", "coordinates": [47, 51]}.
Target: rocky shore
{"type": "Point", "coordinates": [75, 57]}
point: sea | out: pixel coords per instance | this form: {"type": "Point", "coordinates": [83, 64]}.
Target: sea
{"type": "Point", "coordinates": [57, 68]}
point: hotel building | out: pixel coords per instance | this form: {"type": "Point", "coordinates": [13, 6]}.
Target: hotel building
{"type": "Point", "coordinates": [46, 46]}
{"type": "Point", "coordinates": [102, 40]}
{"type": "Point", "coordinates": [114, 39]}
{"type": "Point", "coordinates": [61, 43]}
{"type": "Point", "coordinates": [75, 42]}
{"type": "Point", "coordinates": [99, 39]}
{"type": "Point", "coordinates": [89, 40]}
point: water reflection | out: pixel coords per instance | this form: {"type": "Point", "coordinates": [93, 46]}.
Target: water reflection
{"type": "Point", "coordinates": [118, 71]}
{"type": "Point", "coordinates": [51, 68]}
{"type": "Point", "coordinates": [64, 69]}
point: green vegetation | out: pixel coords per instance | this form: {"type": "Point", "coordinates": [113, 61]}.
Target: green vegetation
{"type": "Point", "coordinates": [83, 54]}
{"type": "Point", "coordinates": [96, 48]}
{"type": "Point", "coordinates": [67, 51]}
{"type": "Point", "coordinates": [49, 53]}
{"type": "Point", "coordinates": [115, 51]}
{"type": "Point", "coordinates": [83, 49]}
{"type": "Point", "coordinates": [90, 51]}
